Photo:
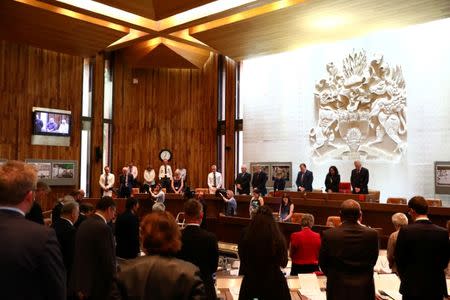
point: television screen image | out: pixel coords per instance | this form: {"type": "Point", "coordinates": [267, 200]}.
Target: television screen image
{"type": "Point", "coordinates": [63, 170]}
{"type": "Point", "coordinates": [51, 123]}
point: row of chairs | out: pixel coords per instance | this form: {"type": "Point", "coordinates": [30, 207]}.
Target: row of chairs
{"type": "Point", "coordinates": [397, 200]}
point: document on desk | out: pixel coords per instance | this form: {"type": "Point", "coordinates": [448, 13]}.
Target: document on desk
{"type": "Point", "coordinates": [309, 287]}
{"type": "Point", "coordinates": [387, 285]}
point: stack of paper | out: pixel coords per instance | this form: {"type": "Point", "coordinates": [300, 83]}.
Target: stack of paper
{"type": "Point", "coordinates": [309, 287]}
{"type": "Point", "coordinates": [388, 284]}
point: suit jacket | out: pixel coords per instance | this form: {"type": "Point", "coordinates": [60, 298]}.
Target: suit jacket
{"type": "Point", "coordinates": [127, 235]}
{"type": "Point", "coordinates": [81, 218]}
{"type": "Point", "coordinates": [307, 180]}
{"type": "Point", "coordinates": [422, 254]}
{"type": "Point", "coordinates": [278, 184]}
{"type": "Point", "coordinates": [65, 232]}
{"type": "Point", "coordinates": [125, 191]}
{"type": "Point", "coordinates": [56, 212]}
{"type": "Point", "coordinates": [160, 277]}
{"type": "Point", "coordinates": [305, 246]}
{"type": "Point", "coordinates": [347, 256]}
{"type": "Point", "coordinates": [200, 248]}
{"type": "Point", "coordinates": [360, 180]}
{"type": "Point", "coordinates": [94, 266]}
{"type": "Point", "coordinates": [30, 259]}
{"type": "Point", "coordinates": [35, 214]}
{"type": "Point", "coordinates": [244, 180]}
{"type": "Point", "coordinates": [259, 181]}
{"type": "Point", "coordinates": [332, 183]}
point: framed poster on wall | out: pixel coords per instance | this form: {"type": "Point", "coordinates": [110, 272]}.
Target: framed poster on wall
{"type": "Point", "coordinates": [273, 169]}
{"type": "Point", "coordinates": [442, 177]}
{"type": "Point", "coordinates": [56, 172]}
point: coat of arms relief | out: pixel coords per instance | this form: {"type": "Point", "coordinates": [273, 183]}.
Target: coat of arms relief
{"type": "Point", "coordinates": [361, 111]}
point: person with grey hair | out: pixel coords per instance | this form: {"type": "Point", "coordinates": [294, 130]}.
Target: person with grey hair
{"type": "Point", "coordinates": [158, 207]}
{"type": "Point", "coordinates": [65, 230]}
{"type": "Point", "coordinates": [56, 212]}
{"type": "Point", "coordinates": [304, 249]}
{"type": "Point", "coordinates": [243, 181]}
{"type": "Point", "coordinates": [399, 220]}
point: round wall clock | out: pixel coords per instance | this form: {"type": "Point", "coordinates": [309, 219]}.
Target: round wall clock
{"type": "Point", "coordinates": [165, 154]}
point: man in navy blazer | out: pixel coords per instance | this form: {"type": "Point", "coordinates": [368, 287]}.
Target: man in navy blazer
{"type": "Point", "coordinates": [30, 259]}
{"type": "Point", "coordinates": [422, 254]}
{"type": "Point", "coordinates": [304, 179]}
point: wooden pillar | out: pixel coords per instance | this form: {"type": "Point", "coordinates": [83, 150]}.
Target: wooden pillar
{"type": "Point", "coordinates": [97, 125]}
{"type": "Point", "coordinates": [230, 117]}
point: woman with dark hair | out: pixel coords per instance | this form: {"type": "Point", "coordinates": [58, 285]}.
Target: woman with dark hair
{"type": "Point", "coordinates": [159, 275]}
{"type": "Point", "coordinates": [286, 208]}
{"type": "Point", "coordinates": [255, 202]}
{"type": "Point", "coordinates": [332, 180]}
{"type": "Point", "coordinates": [262, 250]}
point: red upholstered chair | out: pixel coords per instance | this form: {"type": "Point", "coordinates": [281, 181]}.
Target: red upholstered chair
{"type": "Point", "coordinates": [296, 218]}
{"type": "Point", "coordinates": [345, 187]}
{"type": "Point", "coordinates": [334, 221]}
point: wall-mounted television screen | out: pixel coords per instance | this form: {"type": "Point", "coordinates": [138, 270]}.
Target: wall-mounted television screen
{"type": "Point", "coordinates": [51, 127]}
{"type": "Point", "coordinates": [51, 123]}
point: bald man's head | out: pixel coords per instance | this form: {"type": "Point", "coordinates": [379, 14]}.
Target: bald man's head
{"type": "Point", "coordinates": [350, 211]}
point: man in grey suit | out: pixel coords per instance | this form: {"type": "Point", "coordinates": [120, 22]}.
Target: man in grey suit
{"type": "Point", "coordinates": [347, 256]}
{"type": "Point", "coordinates": [30, 259]}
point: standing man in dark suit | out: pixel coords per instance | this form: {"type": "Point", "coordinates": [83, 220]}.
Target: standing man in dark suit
{"type": "Point", "coordinates": [359, 179]}
{"type": "Point", "coordinates": [126, 183]}
{"type": "Point", "coordinates": [35, 213]}
{"type": "Point", "coordinates": [347, 256]}
{"type": "Point", "coordinates": [65, 232]}
{"type": "Point", "coordinates": [304, 179]}
{"type": "Point", "coordinates": [30, 258]}
{"type": "Point", "coordinates": [259, 180]}
{"type": "Point", "coordinates": [94, 266]}
{"type": "Point", "coordinates": [422, 254]}
{"type": "Point", "coordinates": [243, 181]}
{"type": "Point", "coordinates": [127, 231]}
{"type": "Point", "coordinates": [199, 246]}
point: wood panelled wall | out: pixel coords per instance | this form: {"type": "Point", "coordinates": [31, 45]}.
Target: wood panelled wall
{"type": "Point", "coordinates": [35, 77]}
{"type": "Point", "coordinates": [166, 108]}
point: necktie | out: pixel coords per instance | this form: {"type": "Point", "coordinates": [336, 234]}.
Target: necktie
{"type": "Point", "coordinates": [301, 179]}
{"type": "Point", "coordinates": [165, 170]}
{"type": "Point", "coordinates": [126, 180]}
{"type": "Point", "coordinates": [215, 180]}
{"type": "Point", "coordinates": [106, 179]}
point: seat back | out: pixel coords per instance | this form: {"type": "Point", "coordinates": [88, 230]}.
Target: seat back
{"type": "Point", "coordinates": [396, 200]}
{"type": "Point", "coordinates": [434, 202]}
{"type": "Point", "coordinates": [334, 221]}
{"type": "Point", "coordinates": [296, 218]}
{"type": "Point", "coordinates": [345, 187]}
{"type": "Point", "coordinates": [180, 219]}
{"type": "Point", "coordinates": [134, 191]}
{"type": "Point", "coordinates": [201, 190]}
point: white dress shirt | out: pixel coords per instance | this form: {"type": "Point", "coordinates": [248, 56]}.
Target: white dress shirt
{"type": "Point", "coordinates": [149, 176]}
{"type": "Point", "coordinates": [107, 185]}
{"type": "Point", "coordinates": [218, 185]}
{"type": "Point", "coordinates": [134, 171]}
{"type": "Point", "coordinates": [163, 173]}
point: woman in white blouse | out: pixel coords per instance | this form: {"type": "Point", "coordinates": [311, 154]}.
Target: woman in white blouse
{"type": "Point", "coordinates": [149, 178]}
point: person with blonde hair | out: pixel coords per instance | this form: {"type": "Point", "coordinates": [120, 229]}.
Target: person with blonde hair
{"type": "Point", "coordinates": [177, 183]}
{"type": "Point", "coordinates": [158, 274]}
{"type": "Point", "coordinates": [399, 220]}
